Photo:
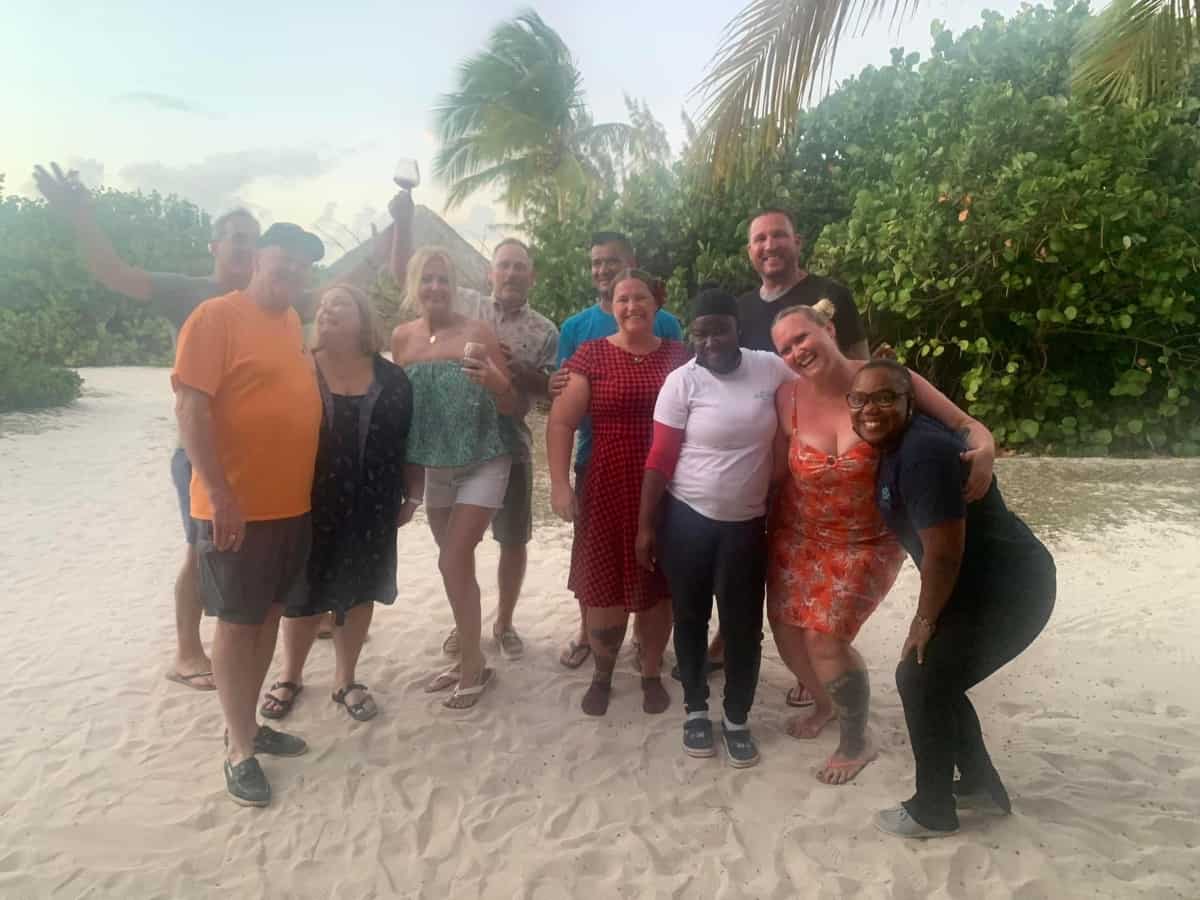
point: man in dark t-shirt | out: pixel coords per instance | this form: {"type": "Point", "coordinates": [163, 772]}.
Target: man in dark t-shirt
{"type": "Point", "coordinates": [774, 250]}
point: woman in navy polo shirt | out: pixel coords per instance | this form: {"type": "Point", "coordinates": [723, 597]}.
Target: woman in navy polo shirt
{"type": "Point", "coordinates": [987, 590]}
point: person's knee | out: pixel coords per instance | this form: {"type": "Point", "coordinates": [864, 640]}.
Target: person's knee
{"type": "Point", "coordinates": [823, 646]}
{"type": "Point", "coordinates": [912, 678]}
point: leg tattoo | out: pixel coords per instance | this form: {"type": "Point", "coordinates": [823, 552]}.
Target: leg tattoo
{"type": "Point", "coordinates": [606, 644]}
{"type": "Point", "coordinates": [851, 695]}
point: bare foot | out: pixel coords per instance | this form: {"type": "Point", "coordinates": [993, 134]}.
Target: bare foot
{"type": "Point", "coordinates": [806, 728]}
{"type": "Point", "coordinates": [655, 698]}
{"type": "Point", "coordinates": [841, 768]}
{"type": "Point", "coordinates": [595, 701]}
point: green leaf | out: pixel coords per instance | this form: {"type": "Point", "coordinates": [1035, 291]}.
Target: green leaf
{"type": "Point", "coordinates": [1030, 427]}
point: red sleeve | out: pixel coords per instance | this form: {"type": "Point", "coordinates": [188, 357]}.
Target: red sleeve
{"type": "Point", "coordinates": [582, 361]}
{"type": "Point", "coordinates": [664, 452]}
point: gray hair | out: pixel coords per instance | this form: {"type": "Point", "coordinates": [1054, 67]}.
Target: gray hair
{"type": "Point", "coordinates": [219, 223]}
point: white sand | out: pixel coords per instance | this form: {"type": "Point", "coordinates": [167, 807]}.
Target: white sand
{"type": "Point", "coordinates": [110, 782]}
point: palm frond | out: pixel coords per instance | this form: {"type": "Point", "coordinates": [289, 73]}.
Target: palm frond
{"type": "Point", "coordinates": [1137, 50]}
{"type": "Point", "coordinates": [773, 55]}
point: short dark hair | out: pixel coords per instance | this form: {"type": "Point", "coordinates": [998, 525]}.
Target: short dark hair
{"type": "Point", "coordinates": [219, 223]}
{"type": "Point", "coordinates": [613, 237]}
{"type": "Point", "coordinates": [772, 211]}
{"type": "Point", "coordinates": [898, 371]}
{"type": "Point", "coordinates": [513, 242]}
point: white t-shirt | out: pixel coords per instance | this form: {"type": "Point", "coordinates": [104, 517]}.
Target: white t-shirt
{"type": "Point", "coordinates": [729, 425]}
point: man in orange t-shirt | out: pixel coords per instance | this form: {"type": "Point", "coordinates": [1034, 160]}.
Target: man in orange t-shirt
{"type": "Point", "coordinates": [250, 413]}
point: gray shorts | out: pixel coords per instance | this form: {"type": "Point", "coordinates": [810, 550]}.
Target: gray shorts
{"type": "Point", "coordinates": [181, 475]}
{"type": "Point", "coordinates": [270, 567]}
{"type": "Point", "coordinates": [513, 522]}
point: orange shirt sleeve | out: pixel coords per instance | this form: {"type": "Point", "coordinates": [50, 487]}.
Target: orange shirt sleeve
{"type": "Point", "coordinates": [201, 356]}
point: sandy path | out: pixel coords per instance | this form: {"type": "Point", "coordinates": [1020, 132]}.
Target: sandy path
{"type": "Point", "coordinates": [110, 783]}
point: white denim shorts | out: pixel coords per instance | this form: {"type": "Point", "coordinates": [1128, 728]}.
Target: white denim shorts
{"type": "Point", "coordinates": [482, 484]}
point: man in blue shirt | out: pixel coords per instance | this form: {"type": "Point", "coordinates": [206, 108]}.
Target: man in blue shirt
{"type": "Point", "coordinates": [611, 254]}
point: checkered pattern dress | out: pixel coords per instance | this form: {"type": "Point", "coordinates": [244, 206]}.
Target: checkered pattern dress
{"type": "Point", "coordinates": [624, 387]}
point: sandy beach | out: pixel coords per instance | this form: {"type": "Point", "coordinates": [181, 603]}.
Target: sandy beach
{"type": "Point", "coordinates": [111, 786]}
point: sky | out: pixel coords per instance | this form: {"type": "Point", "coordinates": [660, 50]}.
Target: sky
{"type": "Point", "coordinates": [300, 110]}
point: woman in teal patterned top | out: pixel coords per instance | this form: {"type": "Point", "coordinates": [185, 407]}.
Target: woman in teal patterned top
{"type": "Point", "coordinates": [462, 397]}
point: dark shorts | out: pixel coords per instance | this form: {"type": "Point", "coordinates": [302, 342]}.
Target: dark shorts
{"type": "Point", "coordinates": [513, 522]}
{"type": "Point", "coordinates": [269, 568]}
{"type": "Point", "coordinates": [181, 474]}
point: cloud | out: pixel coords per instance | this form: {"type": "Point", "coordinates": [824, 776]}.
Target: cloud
{"type": "Point", "coordinates": [218, 181]}
{"type": "Point", "coordinates": [167, 102]}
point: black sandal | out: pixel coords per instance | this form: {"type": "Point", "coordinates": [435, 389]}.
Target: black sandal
{"type": "Point", "coordinates": [362, 711]}
{"type": "Point", "coordinates": [282, 707]}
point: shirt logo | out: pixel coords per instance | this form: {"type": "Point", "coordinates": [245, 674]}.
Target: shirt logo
{"type": "Point", "coordinates": [885, 497]}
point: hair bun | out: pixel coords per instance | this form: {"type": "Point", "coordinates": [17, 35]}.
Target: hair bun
{"type": "Point", "coordinates": [825, 307]}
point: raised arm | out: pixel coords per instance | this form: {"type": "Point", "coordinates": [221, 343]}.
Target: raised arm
{"type": "Point", "coordinates": [68, 198]}
{"type": "Point", "coordinates": [981, 452]}
{"type": "Point", "coordinates": [402, 209]}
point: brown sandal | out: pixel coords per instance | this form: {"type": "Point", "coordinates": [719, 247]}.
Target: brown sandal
{"type": "Point", "coordinates": [282, 707]}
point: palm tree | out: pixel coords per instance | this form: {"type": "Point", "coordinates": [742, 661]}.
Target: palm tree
{"type": "Point", "coordinates": [774, 54]}
{"type": "Point", "coordinates": [518, 121]}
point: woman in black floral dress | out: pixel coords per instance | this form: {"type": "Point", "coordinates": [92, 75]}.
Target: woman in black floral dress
{"type": "Point", "coordinates": [362, 492]}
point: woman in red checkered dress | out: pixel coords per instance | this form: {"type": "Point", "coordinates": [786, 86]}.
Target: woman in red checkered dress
{"type": "Point", "coordinates": [615, 381]}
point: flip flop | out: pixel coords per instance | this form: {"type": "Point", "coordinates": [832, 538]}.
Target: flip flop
{"type": "Point", "coordinates": [471, 694]}
{"type": "Point", "coordinates": [285, 706]}
{"type": "Point", "coordinates": [799, 697]}
{"type": "Point", "coordinates": [853, 766]}
{"type": "Point", "coordinates": [188, 680]}
{"type": "Point", "coordinates": [440, 682]}
{"type": "Point", "coordinates": [575, 655]}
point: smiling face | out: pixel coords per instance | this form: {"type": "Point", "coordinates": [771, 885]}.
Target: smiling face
{"type": "Point", "coordinates": [634, 307]}
{"type": "Point", "coordinates": [339, 322]}
{"type": "Point", "coordinates": [233, 251]}
{"type": "Point", "coordinates": [880, 406]}
{"type": "Point", "coordinates": [511, 276]}
{"type": "Point", "coordinates": [283, 273]}
{"type": "Point", "coordinates": [608, 261]}
{"type": "Point", "coordinates": [433, 289]}
{"type": "Point", "coordinates": [715, 342]}
{"type": "Point", "coordinates": [808, 348]}
{"type": "Point", "coordinates": [774, 247]}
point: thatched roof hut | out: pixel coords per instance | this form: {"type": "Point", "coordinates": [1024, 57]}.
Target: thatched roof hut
{"type": "Point", "coordinates": [428, 228]}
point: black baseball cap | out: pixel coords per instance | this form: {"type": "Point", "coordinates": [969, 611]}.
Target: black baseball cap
{"type": "Point", "coordinates": [294, 239]}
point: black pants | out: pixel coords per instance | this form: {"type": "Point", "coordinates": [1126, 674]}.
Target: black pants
{"type": "Point", "coordinates": [975, 636]}
{"type": "Point", "coordinates": [702, 557]}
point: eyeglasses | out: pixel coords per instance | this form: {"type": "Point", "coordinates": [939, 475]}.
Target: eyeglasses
{"type": "Point", "coordinates": [884, 399]}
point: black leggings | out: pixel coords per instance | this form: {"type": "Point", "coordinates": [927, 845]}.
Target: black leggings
{"type": "Point", "coordinates": [702, 557]}
{"type": "Point", "coordinates": [974, 637]}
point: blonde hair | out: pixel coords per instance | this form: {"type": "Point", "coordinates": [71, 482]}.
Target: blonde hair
{"type": "Point", "coordinates": [416, 268]}
{"type": "Point", "coordinates": [820, 313]}
{"type": "Point", "coordinates": [370, 332]}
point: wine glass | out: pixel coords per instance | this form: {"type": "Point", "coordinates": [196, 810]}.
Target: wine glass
{"type": "Point", "coordinates": [407, 175]}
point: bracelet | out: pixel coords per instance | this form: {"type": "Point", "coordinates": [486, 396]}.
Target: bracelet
{"type": "Point", "coordinates": [924, 622]}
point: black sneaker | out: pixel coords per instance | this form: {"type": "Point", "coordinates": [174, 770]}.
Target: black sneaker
{"type": "Point", "coordinates": [276, 743]}
{"type": "Point", "coordinates": [740, 748]}
{"type": "Point", "coordinates": [698, 738]}
{"type": "Point", "coordinates": [246, 783]}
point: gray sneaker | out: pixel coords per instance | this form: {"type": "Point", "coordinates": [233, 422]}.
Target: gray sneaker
{"type": "Point", "coordinates": [740, 748]}
{"type": "Point", "coordinates": [275, 743]}
{"type": "Point", "coordinates": [698, 738]}
{"type": "Point", "coordinates": [898, 822]}
{"type": "Point", "coordinates": [246, 783]}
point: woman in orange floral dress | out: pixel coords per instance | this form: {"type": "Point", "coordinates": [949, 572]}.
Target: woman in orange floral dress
{"type": "Point", "coordinates": [832, 559]}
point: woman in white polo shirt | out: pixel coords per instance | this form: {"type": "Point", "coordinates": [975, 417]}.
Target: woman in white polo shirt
{"type": "Point", "coordinates": [702, 513]}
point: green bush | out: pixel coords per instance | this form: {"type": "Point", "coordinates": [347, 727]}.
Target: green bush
{"type": "Point", "coordinates": [1031, 252]}
{"type": "Point", "coordinates": [32, 385]}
